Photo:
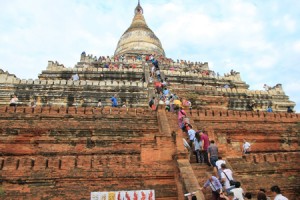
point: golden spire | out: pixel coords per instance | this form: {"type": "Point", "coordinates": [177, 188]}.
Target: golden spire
{"type": "Point", "coordinates": [139, 38]}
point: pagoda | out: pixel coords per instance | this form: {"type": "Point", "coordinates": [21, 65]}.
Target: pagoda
{"type": "Point", "coordinates": [58, 143]}
{"type": "Point", "coordinates": [139, 38]}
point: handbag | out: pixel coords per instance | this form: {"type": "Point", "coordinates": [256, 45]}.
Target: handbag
{"type": "Point", "coordinates": [231, 182]}
{"type": "Point", "coordinates": [153, 107]}
{"type": "Point", "coordinates": [216, 190]}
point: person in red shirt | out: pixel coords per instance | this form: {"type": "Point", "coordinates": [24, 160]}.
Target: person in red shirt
{"type": "Point", "coordinates": [205, 144]}
{"type": "Point", "coordinates": [158, 87]}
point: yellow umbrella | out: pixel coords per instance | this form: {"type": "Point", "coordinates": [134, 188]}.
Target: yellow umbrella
{"type": "Point", "coordinates": [177, 102]}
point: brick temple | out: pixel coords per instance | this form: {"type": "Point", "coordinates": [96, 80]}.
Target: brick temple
{"type": "Point", "coordinates": [65, 147]}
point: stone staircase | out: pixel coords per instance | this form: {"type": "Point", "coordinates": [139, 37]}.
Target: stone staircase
{"type": "Point", "coordinates": [199, 171]}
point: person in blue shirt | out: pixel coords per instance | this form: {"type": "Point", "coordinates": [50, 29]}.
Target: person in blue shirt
{"type": "Point", "coordinates": [269, 109]}
{"type": "Point", "coordinates": [166, 92]}
{"type": "Point", "coordinates": [215, 185]}
{"type": "Point", "coordinates": [114, 101]}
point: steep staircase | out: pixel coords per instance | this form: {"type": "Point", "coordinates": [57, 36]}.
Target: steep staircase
{"type": "Point", "coordinates": [199, 171]}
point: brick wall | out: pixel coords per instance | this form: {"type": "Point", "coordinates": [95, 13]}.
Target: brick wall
{"type": "Point", "coordinates": [275, 146]}
{"type": "Point", "coordinates": [61, 153]}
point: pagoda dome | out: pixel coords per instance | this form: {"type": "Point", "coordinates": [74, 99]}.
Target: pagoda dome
{"type": "Point", "coordinates": [139, 38]}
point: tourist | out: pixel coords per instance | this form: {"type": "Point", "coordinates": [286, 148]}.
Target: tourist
{"type": "Point", "coordinates": [212, 151]}
{"type": "Point", "coordinates": [155, 63]}
{"type": "Point", "coordinates": [214, 184]}
{"type": "Point", "coordinates": [246, 147]}
{"type": "Point", "coordinates": [152, 71]}
{"type": "Point", "coordinates": [158, 74]}
{"type": "Point", "coordinates": [75, 77]}
{"type": "Point", "coordinates": [164, 83]}
{"type": "Point", "coordinates": [13, 101]}
{"type": "Point", "coordinates": [177, 103]}
{"type": "Point", "coordinates": [264, 191]}
{"type": "Point", "coordinates": [191, 196]}
{"type": "Point", "coordinates": [181, 116]}
{"type": "Point", "coordinates": [277, 193]}
{"type": "Point", "coordinates": [289, 109]}
{"type": "Point", "coordinates": [198, 147]}
{"type": "Point", "coordinates": [218, 166]}
{"type": "Point", "coordinates": [150, 79]}
{"type": "Point", "coordinates": [152, 103]}
{"type": "Point", "coordinates": [151, 58]}
{"type": "Point", "coordinates": [167, 102]}
{"type": "Point", "coordinates": [226, 177]}
{"type": "Point", "coordinates": [251, 106]}
{"type": "Point", "coordinates": [191, 134]}
{"type": "Point", "coordinates": [158, 87]}
{"type": "Point", "coordinates": [187, 103]}
{"type": "Point", "coordinates": [99, 103]}
{"type": "Point", "coordinates": [266, 87]}
{"type": "Point", "coordinates": [238, 192]}
{"type": "Point", "coordinates": [248, 195]}
{"type": "Point", "coordinates": [269, 109]}
{"type": "Point", "coordinates": [261, 196]}
{"type": "Point", "coordinates": [166, 92]}
{"type": "Point", "coordinates": [33, 104]}
{"type": "Point", "coordinates": [223, 196]}
{"type": "Point", "coordinates": [205, 144]}
{"type": "Point", "coordinates": [114, 101]}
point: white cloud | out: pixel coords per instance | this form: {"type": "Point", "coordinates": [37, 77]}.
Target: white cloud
{"type": "Point", "coordinates": [296, 47]}
{"type": "Point", "coordinates": [286, 22]}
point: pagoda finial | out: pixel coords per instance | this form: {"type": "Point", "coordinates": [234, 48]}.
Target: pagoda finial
{"type": "Point", "coordinates": [138, 9]}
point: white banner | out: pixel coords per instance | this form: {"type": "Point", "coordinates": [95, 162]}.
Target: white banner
{"type": "Point", "coordinates": [124, 195]}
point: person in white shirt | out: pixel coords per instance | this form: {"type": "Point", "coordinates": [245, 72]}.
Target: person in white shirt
{"type": "Point", "coordinates": [246, 147]}
{"type": "Point", "coordinates": [99, 103]}
{"type": "Point", "coordinates": [226, 176]}
{"type": "Point", "coordinates": [238, 192]}
{"type": "Point", "coordinates": [152, 70]}
{"type": "Point", "coordinates": [218, 165]}
{"type": "Point", "coordinates": [277, 193]}
{"type": "Point", "coordinates": [75, 77]}
{"type": "Point", "coordinates": [13, 101]}
{"type": "Point", "coordinates": [191, 134]}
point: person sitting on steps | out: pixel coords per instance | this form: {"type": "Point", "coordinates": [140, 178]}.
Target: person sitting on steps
{"type": "Point", "coordinates": [14, 100]}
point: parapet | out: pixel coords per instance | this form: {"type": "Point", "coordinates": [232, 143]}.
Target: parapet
{"type": "Point", "coordinates": [230, 115]}
{"type": "Point", "coordinates": [55, 66]}
{"type": "Point", "coordinates": [6, 77]}
{"type": "Point", "coordinates": [61, 111]}
{"type": "Point", "coordinates": [9, 79]}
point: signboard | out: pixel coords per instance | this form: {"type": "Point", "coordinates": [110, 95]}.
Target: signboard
{"type": "Point", "coordinates": [124, 195]}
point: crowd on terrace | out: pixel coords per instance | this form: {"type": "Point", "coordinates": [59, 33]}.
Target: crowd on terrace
{"type": "Point", "coordinates": [130, 61]}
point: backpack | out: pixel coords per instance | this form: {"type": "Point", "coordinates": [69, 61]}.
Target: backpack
{"type": "Point", "coordinates": [151, 102]}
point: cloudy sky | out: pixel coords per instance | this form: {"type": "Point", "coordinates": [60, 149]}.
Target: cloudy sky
{"type": "Point", "coordinates": [259, 38]}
